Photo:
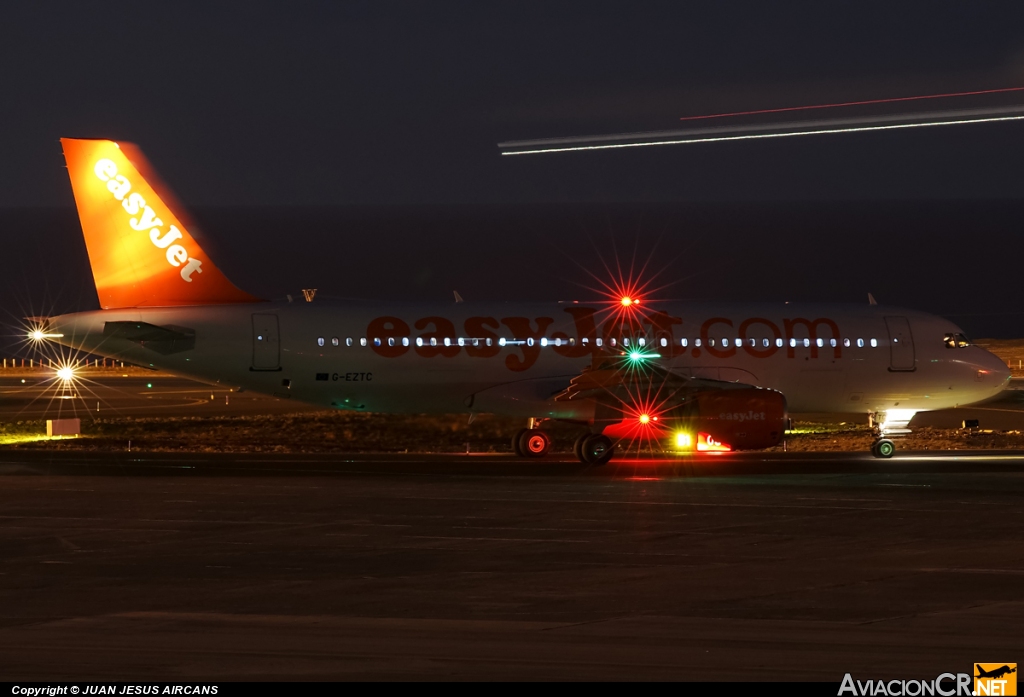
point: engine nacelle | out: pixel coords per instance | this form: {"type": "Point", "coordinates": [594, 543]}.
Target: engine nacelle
{"type": "Point", "coordinates": [741, 419]}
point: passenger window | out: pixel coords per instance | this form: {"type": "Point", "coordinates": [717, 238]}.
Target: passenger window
{"type": "Point", "coordinates": [488, 342]}
{"type": "Point", "coordinates": [821, 342]}
{"type": "Point", "coordinates": [362, 341]}
{"type": "Point", "coordinates": [599, 341]}
{"type": "Point", "coordinates": [860, 343]}
{"type": "Point", "coordinates": [348, 341]}
{"type": "Point", "coordinates": [405, 341]}
{"type": "Point", "coordinates": [846, 343]}
{"type": "Point", "coordinates": [832, 343]}
{"type": "Point", "coordinates": [447, 341]}
{"type": "Point", "coordinates": [664, 342]}
{"type": "Point", "coordinates": [433, 341]}
{"type": "Point", "coordinates": [376, 341]}
{"type": "Point", "coordinates": [625, 342]}
{"type": "Point", "coordinates": [334, 341]}
{"type": "Point", "coordinates": [711, 342]}
{"type": "Point", "coordinates": [391, 341]}
{"type": "Point", "coordinates": [529, 342]}
{"type": "Point", "coordinates": [696, 342]}
{"type": "Point", "coordinates": [725, 343]}
{"type": "Point", "coordinates": [739, 342]}
{"type": "Point", "coordinates": [807, 343]}
{"type": "Point", "coordinates": [501, 341]}
{"type": "Point", "coordinates": [643, 341]}
{"type": "Point", "coordinates": [612, 342]}
{"type": "Point", "coordinates": [461, 342]}
{"type": "Point", "coordinates": [792, 343]}
{"type": "Point", "coordinates": [320, 341]}
{"type": "Point", "coordinates": [766, 343]}
{"type": "Point", "coordinates": [543, 341]}
{"type": "Point", "coordinates": [874, 343]}
{"type": "Point", "coordinates": [778, 343]}
{"type": "Point", "coordinates": [683, 342]}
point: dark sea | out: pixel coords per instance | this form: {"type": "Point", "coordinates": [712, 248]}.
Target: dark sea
{"type": "Point", "coordinates": [952, 258]}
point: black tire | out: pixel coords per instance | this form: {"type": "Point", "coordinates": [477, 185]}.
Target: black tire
{"type": "Point", "coordinates": [517, 440]}
{"type": "Point", "coordinates": [597, 449]}
{"type": "Point", "coordinates": [534, 443]}
{"type": "Point", "coordinates": [577, 447]}
{"type": "Point", "coordinates": [883, 448]}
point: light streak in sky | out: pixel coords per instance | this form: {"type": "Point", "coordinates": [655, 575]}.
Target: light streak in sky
{"type": "Point", "coordinates": [761, 136]}
{"type": "Point", "coordinates": [842, 104]}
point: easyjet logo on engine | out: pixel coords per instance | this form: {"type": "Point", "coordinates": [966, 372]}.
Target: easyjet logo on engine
{"type": "Point", "coordinates": [742, 416]}
{"type": "Point", "coordinates": [143, 219]}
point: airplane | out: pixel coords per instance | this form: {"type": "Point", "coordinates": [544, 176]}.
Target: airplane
{"type": "Point", "coordinates": [681, 376]}
{"type": "Point", "coordinates": [995, 673]}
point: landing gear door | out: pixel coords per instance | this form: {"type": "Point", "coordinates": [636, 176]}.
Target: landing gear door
{"type": "Point", "coordinates": [266, 343]}
{"type": "Point", "coordinates": [901, 344]}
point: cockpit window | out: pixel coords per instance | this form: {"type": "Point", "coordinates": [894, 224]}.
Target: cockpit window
{"type": "Point", "coordinates": [956, 341]}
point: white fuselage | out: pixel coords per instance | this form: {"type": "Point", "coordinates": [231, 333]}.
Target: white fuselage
{"type": "Point", "coordinates": [823, 358]}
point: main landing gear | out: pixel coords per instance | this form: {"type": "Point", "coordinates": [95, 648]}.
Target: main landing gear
{"type": "Point", "coordinates": [590, 448]}
{"type": "Point", "coordinates": [531, 442]}
{"type": "Point", "coordinates": [593, 449]}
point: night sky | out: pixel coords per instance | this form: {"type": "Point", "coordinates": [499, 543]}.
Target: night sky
{"type": "Point", "coordinates": [351, 146]}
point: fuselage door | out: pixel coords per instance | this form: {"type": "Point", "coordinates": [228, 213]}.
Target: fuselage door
{"type": "Point", "coordinates": [266, 343]}
{"type": "Point", "coordinates": [901, 344]}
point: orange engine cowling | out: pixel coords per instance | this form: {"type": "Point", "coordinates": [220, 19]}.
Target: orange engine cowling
{"type": "Point", "coordinates": [741, 419]}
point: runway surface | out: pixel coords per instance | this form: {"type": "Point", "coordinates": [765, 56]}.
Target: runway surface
{"type": "Point", "coordinates": [736, 567]}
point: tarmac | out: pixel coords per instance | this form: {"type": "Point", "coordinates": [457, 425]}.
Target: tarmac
{"type": "Point", "coordinates": [732, 567]}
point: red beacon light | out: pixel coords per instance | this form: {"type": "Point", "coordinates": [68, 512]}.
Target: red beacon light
{"type": "Point", "coordinates": [627, 301]}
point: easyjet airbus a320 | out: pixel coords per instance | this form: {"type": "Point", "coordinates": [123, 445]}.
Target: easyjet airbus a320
{"type": "Point", "coordinates": [683, 375]}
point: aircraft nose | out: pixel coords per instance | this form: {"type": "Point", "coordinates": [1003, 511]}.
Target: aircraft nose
{"type": "Point", "coordinates": [992, 371]}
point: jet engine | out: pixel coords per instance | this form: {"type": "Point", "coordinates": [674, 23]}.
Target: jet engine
{"type": "Point", "coordinates": [748, 418]}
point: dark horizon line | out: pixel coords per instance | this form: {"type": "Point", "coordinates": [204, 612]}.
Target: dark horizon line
{"type": "Point", "coordinates": [577, 202]}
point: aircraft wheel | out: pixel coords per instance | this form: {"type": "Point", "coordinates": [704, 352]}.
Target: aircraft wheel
{"type": "Point", "coordinates": [534, 443]}
{"type": "Point", "coordinates": [517, 441]}
{"type": "Point", "coordinates": [883, 448]}
{"type": "Point", "coordinates": [597, 449]}
{"type": "Point", "coordinates": [577, 447]}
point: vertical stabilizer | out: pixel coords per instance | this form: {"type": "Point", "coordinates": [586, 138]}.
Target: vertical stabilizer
{"type": "Point", "coordinates": [141, 252]}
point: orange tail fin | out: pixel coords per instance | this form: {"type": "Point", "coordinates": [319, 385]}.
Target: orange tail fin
{"type": "Point", "coordinates": [141, 252]}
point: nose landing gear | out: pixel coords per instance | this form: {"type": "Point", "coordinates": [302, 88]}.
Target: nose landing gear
{"type": "Point", "coordinates": [883, 448]}
{"type": "Point", "coordinates": [895, 423]}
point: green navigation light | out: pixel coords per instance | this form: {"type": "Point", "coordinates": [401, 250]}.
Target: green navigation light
{"type": "Point", "coordinates": [640, 357]}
